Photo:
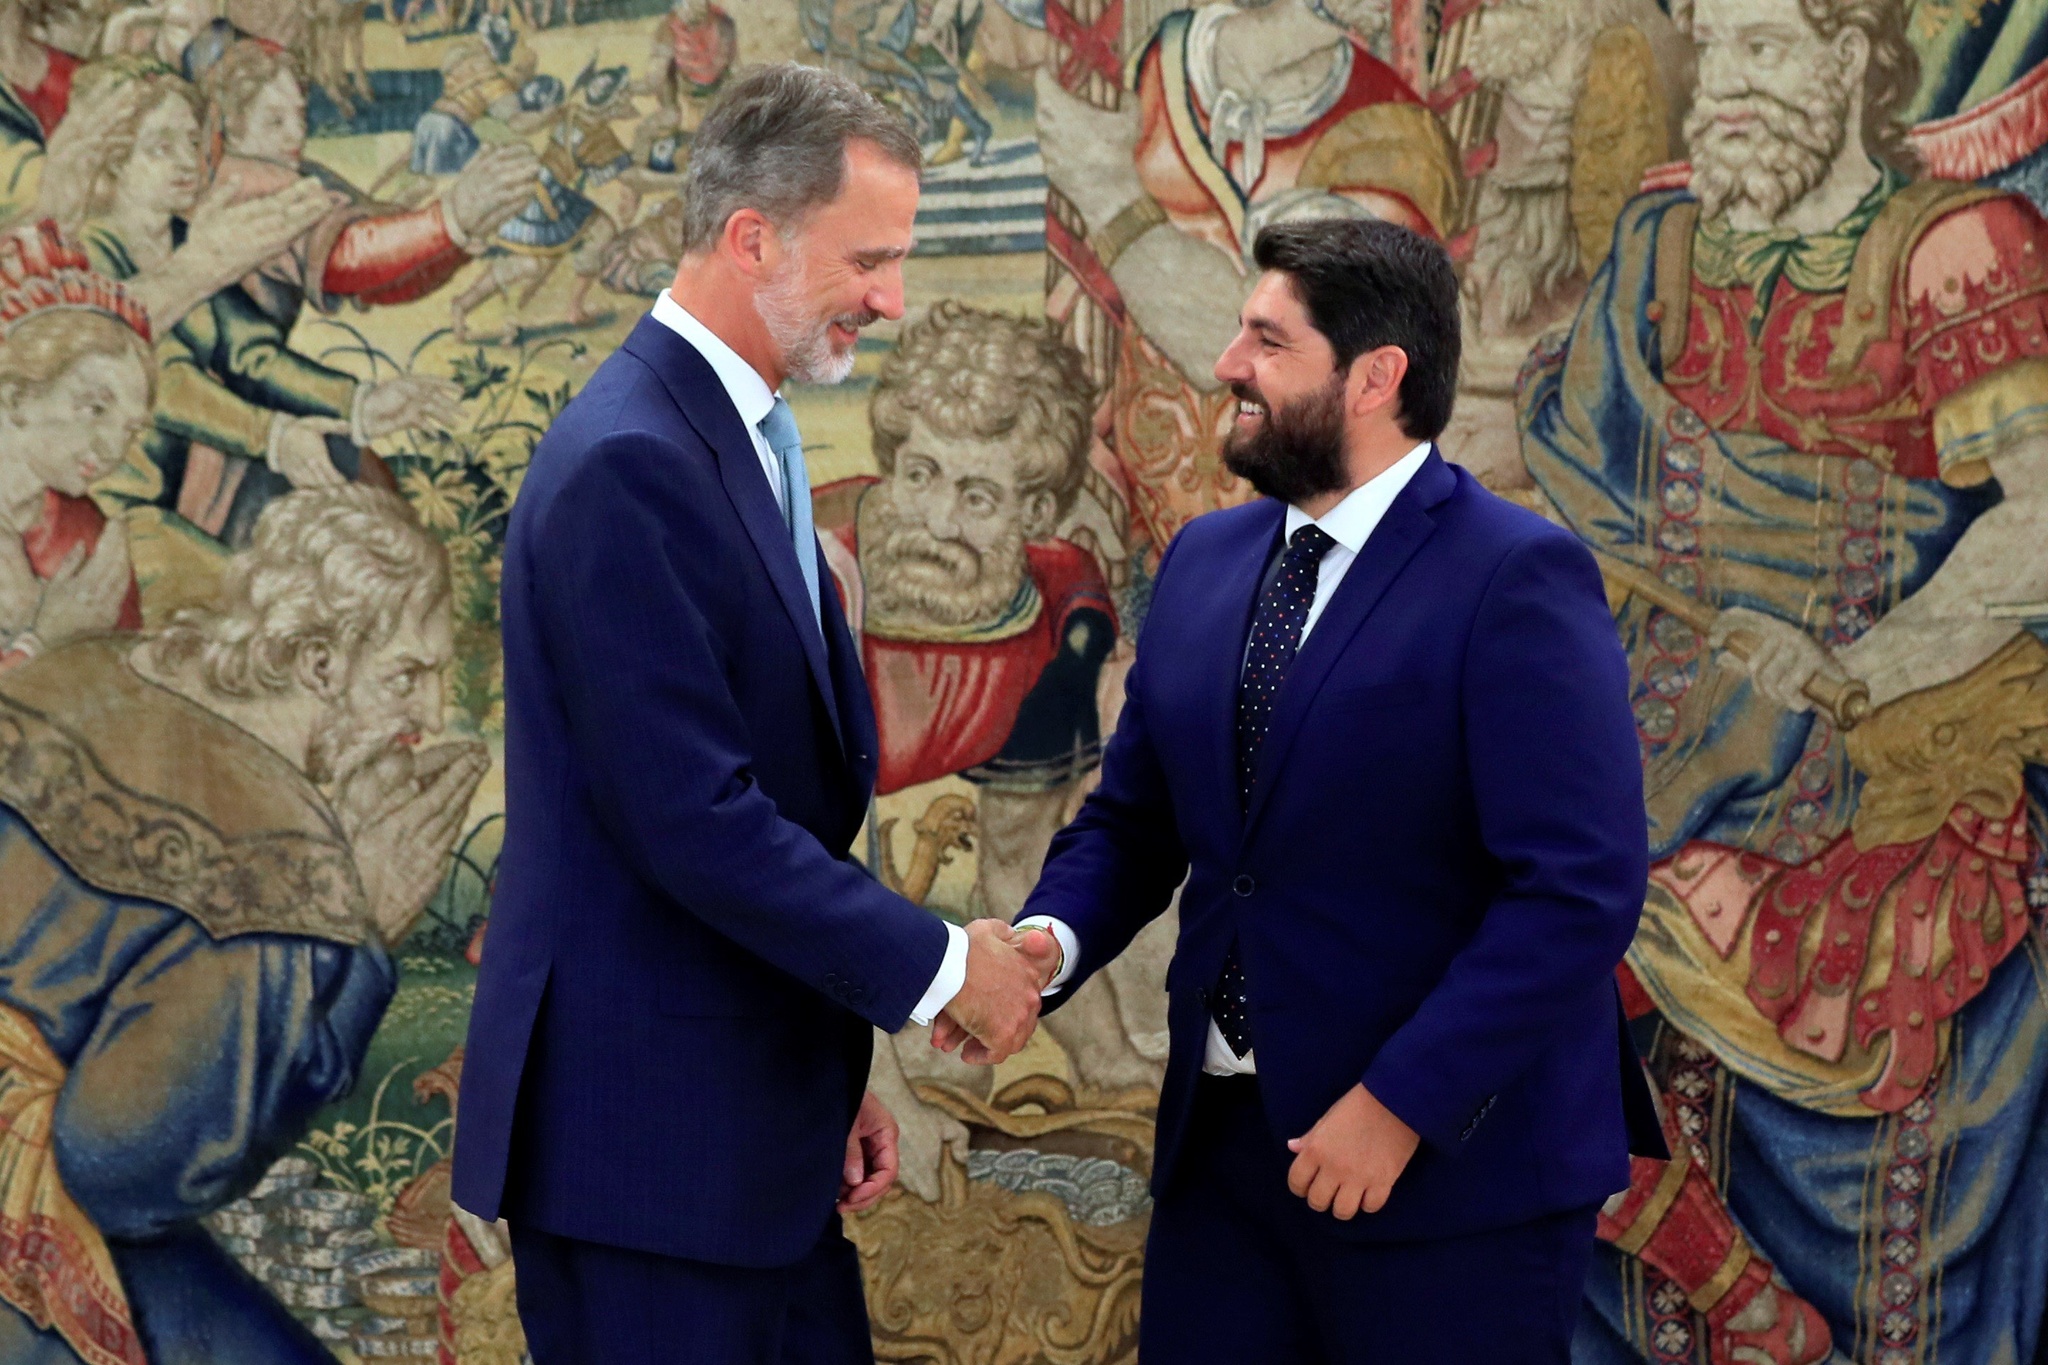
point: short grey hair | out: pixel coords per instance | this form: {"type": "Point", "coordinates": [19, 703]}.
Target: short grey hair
{"type": "Point", "coordinates": [334, 566]}
{"type": "Point", "coordinates": [775, 142]}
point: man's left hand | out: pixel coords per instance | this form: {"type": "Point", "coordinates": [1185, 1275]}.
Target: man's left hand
{"type": "Point", "coordinates": [1350, 1160]}
{"type": "Point", "coordinates": [871, 1157]}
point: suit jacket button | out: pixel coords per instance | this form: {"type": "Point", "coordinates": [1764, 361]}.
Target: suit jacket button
{"type": "Point", "coordinates": [1244, 886]}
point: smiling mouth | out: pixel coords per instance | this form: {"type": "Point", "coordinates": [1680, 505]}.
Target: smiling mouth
{"type": "Point", "coordinates": [1248, 411]}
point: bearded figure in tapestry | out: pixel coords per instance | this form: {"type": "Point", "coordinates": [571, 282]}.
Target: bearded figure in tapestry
{"type": "Point", "coordinates": [1802, 418]}
{"type": "Point", "coordinates": [211, 841]}
{"type": "Point", "coordinates": [984, 634]}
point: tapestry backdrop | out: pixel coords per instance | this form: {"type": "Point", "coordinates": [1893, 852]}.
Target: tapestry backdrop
{"type": "Point", "coordinates": [276, 253]}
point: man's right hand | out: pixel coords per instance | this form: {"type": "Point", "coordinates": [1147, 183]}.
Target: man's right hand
{"type": "Point", "coordinates": [996, 1011]}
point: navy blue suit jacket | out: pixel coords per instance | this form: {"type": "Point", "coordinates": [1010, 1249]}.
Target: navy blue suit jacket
{"type": "Point", "coordinates": [1444, 857]}
{"type": "Point", "coordinates": [675, 1008]}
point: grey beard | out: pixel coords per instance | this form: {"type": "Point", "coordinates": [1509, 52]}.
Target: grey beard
{"type": "Point", "coordinates": [1527, 249]}
{"type": "Point", "coordinates": [337, 752]}
{"type": "Point", "coordinates": [805, 343]}
{"type": "Point", "coordinates": [1780, 162]}
{"type": "Point", "coordinates": [905, 571]}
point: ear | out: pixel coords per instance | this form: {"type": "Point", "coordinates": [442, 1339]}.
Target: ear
{"type": "Point", "coordinates": [319, 669]}
{"type": "Point", "coordinates": [1041, 513]}
{"type": "Point", "coordinates": [752, 243]}
{"type": "Point", "coordinates": [1852, 47]}
{"type": "Point", "coordinates": [1374, 384]}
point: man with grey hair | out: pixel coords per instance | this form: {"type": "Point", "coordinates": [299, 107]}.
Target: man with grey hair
{"type": "Point", "coordinates": [690, 751]}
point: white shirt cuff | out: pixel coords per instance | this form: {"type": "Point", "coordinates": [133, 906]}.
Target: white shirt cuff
{"type": "Point", "coordinates": [952, 976]}
{"type": "Point", "coordinates": [1070, 947]}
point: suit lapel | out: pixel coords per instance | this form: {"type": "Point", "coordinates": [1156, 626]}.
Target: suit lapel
{"type": "Point", "coordinates": [850, 683]}
{"type": "Point", "coordinates": [704, 403]}
{"type": "Point", "coordinates": [1386, 552]}
{"type": "Point", "coordinates": [1238, 572]}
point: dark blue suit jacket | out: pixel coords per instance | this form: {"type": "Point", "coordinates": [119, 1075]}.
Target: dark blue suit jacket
{"type": "Point", "coordinates": [1444, 858]}
{"type": "Point", "coordinates": [675, 1009]}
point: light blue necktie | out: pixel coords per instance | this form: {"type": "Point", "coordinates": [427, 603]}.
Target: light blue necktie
{"type": "Point", "coordinates": [779, 427]}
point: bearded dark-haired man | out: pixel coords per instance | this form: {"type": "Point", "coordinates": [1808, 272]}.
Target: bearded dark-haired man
{"type": "Point", "coordinates": [1378, 726]}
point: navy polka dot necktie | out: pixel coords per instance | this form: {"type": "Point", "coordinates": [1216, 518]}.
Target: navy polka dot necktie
{"type": "Point", "coordinates": [1276, 635]}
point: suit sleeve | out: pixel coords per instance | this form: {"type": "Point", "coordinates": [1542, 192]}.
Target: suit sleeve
{"type": "Point", "coordinates": [619, 565]}
{"type": "Point", "coordinates": [1114, 869]}
{"type": "Point", "coordinates": [1557, 781]}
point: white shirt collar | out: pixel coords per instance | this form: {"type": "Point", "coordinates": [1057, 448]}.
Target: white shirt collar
{"type": "Point", "coordinates": [743, 383]}
{"type": "Point", "coordinates": [1351, 522]}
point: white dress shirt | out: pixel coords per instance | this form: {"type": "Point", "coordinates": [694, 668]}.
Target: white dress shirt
{"type": "Point", "coordinates": [1350, 523]}
{"type": "Point", "coordinates": [743, 383]}
{"type": "Point", "coordinates": [753, 398]}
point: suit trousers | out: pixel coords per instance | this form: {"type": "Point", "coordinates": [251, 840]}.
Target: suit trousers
{"type": "Point", "coordinates": [583, 1303]}
{"type": "Point", "coordinates": [1239, 1270]}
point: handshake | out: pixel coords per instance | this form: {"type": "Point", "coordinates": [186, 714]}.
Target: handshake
{"type": "Point", "coordinates": [996, 1011]}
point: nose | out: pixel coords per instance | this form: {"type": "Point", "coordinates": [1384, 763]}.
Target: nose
{"type": "Point", "coordinates": [885, 295]}
{"type": "Point", "coordinates": [942, 515]}
{"type": "Point", "coordinates": [427, 706]}
{"type": "Point", "coordinates": [1719, 73]}
{"type": "Point", "coordinates": [1235, 365]}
